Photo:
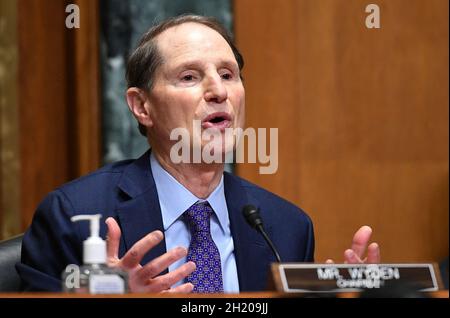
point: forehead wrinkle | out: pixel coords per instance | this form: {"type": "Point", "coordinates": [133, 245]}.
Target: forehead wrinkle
{"type": "Point", "coordinates": [196, 38]}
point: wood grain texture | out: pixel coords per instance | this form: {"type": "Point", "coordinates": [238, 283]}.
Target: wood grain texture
{"type": "Point", "coordinates": [43, 96]}
{"type": "Point", "coordinates": [58, 97]}
{"type": "Point", "coordinates": [362, 117]}
{"type": "Point", "coordinates": [9, 126]}
{"type": "Point", "coordinates": [87, 88]}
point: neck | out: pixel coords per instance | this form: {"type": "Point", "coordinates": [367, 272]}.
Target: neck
{"type": "Point", "coordinates": [200, 179]}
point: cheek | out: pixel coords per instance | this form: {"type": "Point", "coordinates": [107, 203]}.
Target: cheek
{"type": "Point", "coordinates": [239, 107]}
{"type": "Point", "coordinates": [177, 109]}
{"type": "Point", "coordinates": [184, 102]}
{"type": "Point", "coordinates": [242, 116]}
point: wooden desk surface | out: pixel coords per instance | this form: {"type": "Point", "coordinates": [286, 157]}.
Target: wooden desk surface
{"type": "Point", "coordinates": [437, 294]}
{"type": "Point", "coordinates": [136, 295]}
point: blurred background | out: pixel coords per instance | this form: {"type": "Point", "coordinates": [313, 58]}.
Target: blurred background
{"type": "Point", "coordinates": [362, 113]}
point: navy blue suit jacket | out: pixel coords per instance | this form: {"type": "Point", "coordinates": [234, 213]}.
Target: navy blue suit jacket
{"type": "Point", "coordinates": [126, 191]}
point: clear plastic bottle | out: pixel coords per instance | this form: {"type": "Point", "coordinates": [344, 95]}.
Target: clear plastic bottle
{"type": "Point", "coordinates": [94, 277]}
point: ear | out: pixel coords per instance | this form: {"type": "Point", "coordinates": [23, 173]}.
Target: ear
{"type": "Point", "coordinates": [139, 105]}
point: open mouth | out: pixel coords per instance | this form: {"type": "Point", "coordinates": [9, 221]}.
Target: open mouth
{"type": "Point", "coordinates": [217, 120]}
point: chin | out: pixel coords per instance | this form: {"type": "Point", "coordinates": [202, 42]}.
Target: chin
{"type": "Point", "coordinates": [217, 151]}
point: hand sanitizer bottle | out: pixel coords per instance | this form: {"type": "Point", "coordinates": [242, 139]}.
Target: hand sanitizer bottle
{"type": "Point", "coordinates": [94, 277]}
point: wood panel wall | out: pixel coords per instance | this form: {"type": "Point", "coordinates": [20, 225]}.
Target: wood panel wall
{"type": "Point", "coordinates": [362, 117]}
{"type": "Point", "coordinates": [58, 97]}
{"type": "Point", "coordinates": [9, 150]}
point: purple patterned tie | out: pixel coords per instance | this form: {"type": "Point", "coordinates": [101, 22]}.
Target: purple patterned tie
{"type": "Point", "coordinates": [207, 278]}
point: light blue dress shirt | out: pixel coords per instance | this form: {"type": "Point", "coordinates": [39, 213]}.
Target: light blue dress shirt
{"type": "Point", "coordinates": [174, 200]}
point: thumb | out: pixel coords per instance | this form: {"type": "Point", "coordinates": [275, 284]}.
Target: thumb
{"type": "Point", "coordinates": [113, 239]}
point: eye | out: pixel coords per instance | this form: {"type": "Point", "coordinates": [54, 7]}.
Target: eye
{"type": "Point", "coordinates": [187, 78]}
{"type": "Point", "coordinates": [227, 76]}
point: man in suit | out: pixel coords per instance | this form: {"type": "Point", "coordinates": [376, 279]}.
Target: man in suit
{"type": "Point", "coordinates": [176, 227]}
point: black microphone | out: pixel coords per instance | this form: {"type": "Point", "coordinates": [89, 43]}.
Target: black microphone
{"type": "Point", "coordinates": [253, 218]}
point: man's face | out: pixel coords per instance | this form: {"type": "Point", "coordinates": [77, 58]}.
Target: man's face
{"type": "Point", "coordinates": [198, 79]}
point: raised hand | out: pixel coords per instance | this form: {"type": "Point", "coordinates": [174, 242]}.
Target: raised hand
{"type": "Point", "coordinates": [355, 254]}
{"type": "Point", "coordinates": [146, 279]}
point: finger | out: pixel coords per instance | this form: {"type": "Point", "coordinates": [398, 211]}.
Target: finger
{"type": "Point", "coordinates": [160, 263]}
{"type": "Point", "coordinates": [113, 238]}
{"type": "Point", "coordinates": [351, 257]}
{"type": "Point", "coordinates": [329, 261]}
{"type": "Point", "coordinates": [135, 254]}
{"type": "Point", "coordinates": [183, 289]}
{"type": "Point", "coordinates": [373, 254]}
{"type": "Point", "coordinates": [164, 282]}
{"type": "Point", "coordinates": [360, 240]}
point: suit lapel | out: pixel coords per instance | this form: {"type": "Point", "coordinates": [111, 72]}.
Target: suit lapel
{"type": "Point", "coordinates": [141, 213]}
{"type": "Point", "coordinates": [251, 252]}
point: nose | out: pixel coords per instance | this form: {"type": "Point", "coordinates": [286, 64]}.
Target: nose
{"type": "Point", "coordinates": [215, 90]}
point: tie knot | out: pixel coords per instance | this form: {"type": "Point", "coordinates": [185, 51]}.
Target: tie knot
{"type": "Point", "coordinates": [198, 216]}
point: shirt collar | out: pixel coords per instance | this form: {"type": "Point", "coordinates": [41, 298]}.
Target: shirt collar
{"type": "Point", "coordinates": [175, 199]}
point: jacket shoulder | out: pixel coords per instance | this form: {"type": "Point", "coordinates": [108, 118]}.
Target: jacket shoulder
{"type": "Point", "coordinates": [290, 227]}
{"type": "Point", "coordinates": [83, 192]}
{"type": "Point", "coordinates": [266, 198]}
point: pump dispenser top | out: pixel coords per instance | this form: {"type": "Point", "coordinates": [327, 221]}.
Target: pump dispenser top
{"type": "Point", "coordinates": [94, 247]}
